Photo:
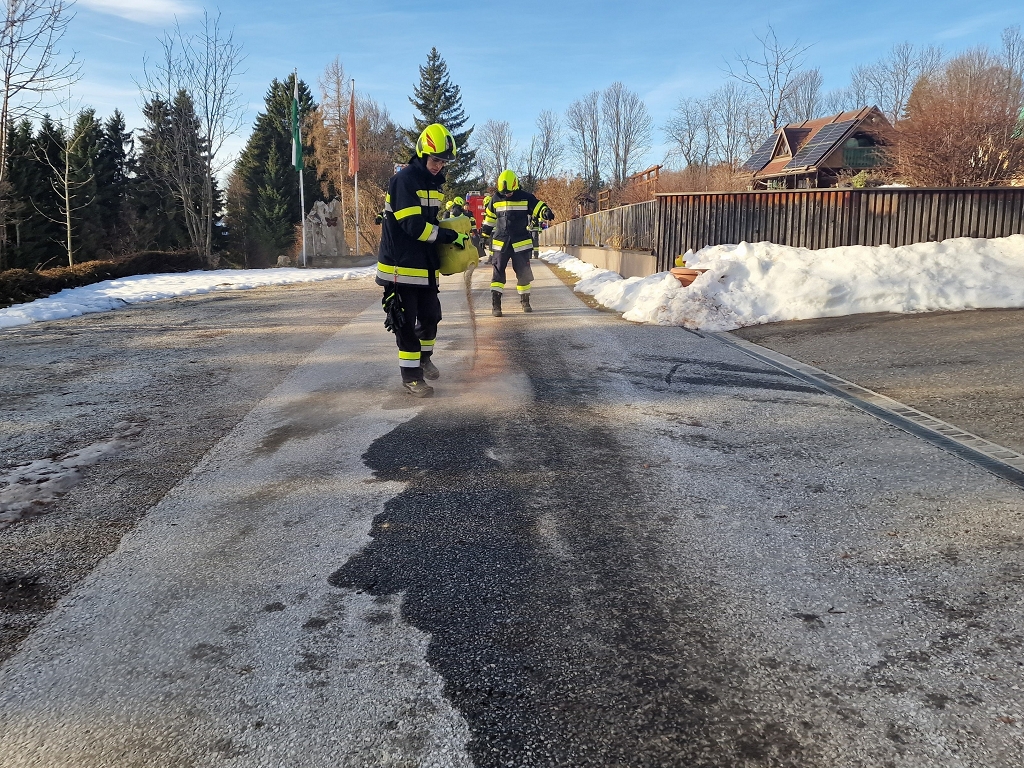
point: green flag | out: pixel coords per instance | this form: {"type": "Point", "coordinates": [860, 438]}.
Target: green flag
{"type": "Point", "coordinates": [296, 131]}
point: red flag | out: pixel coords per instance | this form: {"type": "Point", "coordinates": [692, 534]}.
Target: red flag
{"type": "Point", "coordinates": [353, 144]}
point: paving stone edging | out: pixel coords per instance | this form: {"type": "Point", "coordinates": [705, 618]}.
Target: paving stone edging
{"type": "Point", "coordinates": [997, 459]}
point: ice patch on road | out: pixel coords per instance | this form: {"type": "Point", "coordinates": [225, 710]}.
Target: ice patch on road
{"type": "Point", "coordinates": [754, 283]}
{"type": "Point", "coordinates": [32, 485]}
{"type": "Point", "coordinates": [125, 291]}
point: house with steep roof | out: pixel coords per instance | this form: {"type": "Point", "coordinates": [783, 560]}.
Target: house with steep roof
{"type": "Point", "coordinates": [818, 153]}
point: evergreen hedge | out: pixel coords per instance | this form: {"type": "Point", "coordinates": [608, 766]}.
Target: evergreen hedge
{"type": "Point", "coordinates": [18, 286]}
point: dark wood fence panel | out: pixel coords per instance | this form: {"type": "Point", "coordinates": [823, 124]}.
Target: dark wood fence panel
{"type": "Point", "coordinates": [814, 218]}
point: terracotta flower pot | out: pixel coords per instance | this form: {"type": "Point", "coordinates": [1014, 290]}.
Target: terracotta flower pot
{"type": "Point", "coordinates": [685, 275]}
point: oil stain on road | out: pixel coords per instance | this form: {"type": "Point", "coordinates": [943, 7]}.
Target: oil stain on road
{"type": "Point", "coordinates": [527, 550]}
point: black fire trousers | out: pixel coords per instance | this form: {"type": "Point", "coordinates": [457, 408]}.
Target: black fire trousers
{"type": "Point", "coordinates": [422, 310]}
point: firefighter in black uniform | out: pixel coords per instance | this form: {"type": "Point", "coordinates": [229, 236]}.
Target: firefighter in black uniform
{"type": "Point", "coordinates": [408, 261]}
{"type": "Point", "coordinates": [506, 221]}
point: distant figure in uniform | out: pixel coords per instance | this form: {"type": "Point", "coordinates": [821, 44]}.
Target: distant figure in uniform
{"type": "Point", "coordinates": [507, 219]}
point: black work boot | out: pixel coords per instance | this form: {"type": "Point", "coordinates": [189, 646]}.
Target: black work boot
{"type": "Point", "coordinates": [496, 303]}
{"type": "Point", "coordinates": [524, 298]}
{"type": "Point", "coordinates": [418, 388]}
{"type": "Point", "coordinates": [429, 369]}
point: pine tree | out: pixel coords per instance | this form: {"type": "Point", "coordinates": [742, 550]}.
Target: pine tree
{"type": "Point", "coordinates": [28, 233]}
{"type": "Point", "coordinates": [438, 100]}
{"type": "Point", "coordinates": [115, 164]}
{"type": "Point", "coordinates": [160, 221]}
{"type": "Point", "coordinates": [265, 174]}
{"type": "Point", "coordinates": [47, 238]}
{"type": "Point", "coordinates": [84, 143]}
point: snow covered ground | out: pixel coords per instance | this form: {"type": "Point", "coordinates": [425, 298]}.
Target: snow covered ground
{"type": "Point", "coordinates": [115, 294]}
{"type": "Point", "coordinates": [753, 283]}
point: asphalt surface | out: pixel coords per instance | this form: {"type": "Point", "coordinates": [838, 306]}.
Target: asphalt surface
{"type": "Point", "coordinates": [600, 545]}
{"type": "Point", "coordinates": [961, 367]}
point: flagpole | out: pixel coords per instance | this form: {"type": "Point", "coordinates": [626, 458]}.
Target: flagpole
{"type": "Point", "coordinates": [297, 160]}
{"type": "Point", "coordinates": [302, 204]}
{"type": "Point", "coordinates": [355, 176]}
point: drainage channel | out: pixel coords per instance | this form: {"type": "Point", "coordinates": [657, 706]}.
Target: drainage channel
{"type": "Point", "coordinates": [998, 460]}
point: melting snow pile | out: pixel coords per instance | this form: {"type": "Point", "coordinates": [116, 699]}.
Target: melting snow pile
{"type": "Point", "coordinates": [114, 294]}
{"type": "Point", "coordinates": [754, 283]}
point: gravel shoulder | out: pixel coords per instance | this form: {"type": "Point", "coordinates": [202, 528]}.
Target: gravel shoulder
{"type": "Point", "coordinates": [154, 387]}
{"type": "Point", "coordinates": [962, 367]}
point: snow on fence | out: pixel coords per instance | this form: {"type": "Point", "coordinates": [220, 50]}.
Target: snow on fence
{"type": "Point", "coordinates": [814, 218]}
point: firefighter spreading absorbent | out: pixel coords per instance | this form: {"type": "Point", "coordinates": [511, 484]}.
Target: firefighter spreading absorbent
{"type": "Point", "coordinates": [408, 264]}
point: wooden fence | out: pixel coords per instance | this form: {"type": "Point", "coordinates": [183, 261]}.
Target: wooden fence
{"type": "Point", "coordinates": [814, 218]}
{"type": "Point", "coordinates": [631, 227]}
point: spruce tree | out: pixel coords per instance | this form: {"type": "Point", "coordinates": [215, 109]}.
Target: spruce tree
{"type": "Point", "coordinates": [84, 143]}
{"type": "Point", "coordinates": [265, 176]}
{"type": "Point", "coordinates": [115, 165]}
{"type": "Point", "coordinates": [438, 100]}
{"type": "Point", "coordinates": [160, 221]}
{"type": "Point", "coordinates": [28, 233]}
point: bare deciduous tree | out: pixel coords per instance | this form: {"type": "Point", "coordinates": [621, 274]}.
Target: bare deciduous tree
{"type": "Point", "coordinates": [545, 150]}
{"type": "Point", "coordinates": [805, 101]}
{"type": "Point", "coordinates": [627, 130]}
{"type": "Point", "coordinates": [963, 124]}
{"type": "Point", "coordinates": [564, 194]}
{"type": "Point", "coordinates": [31, 68]}
{"type": "Point", "coordinates": [328, 131]}
{"type": "Point", "coordinates": [890, 80]}
{"type": "Point", "coordinates": [771, 73]}
{"type": "Point", "coordinates": [67, 180]}
{"type": "Point", "coordinates": [691, 131]}
{"type": "Point", "coordinates": [495, 148]}
{"type": "Point", "coordinates": [204, 67]}
{"type": "Point", "coordinates": [583, 125]}
{"type": "Point", "coordinates": [722, 128]}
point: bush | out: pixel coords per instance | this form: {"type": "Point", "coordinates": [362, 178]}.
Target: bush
{"type": "Point", "coordinates": [20, 285]}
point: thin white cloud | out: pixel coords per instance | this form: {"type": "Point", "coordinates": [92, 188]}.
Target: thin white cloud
{"type": "Point", "coordinates": [142, 11]}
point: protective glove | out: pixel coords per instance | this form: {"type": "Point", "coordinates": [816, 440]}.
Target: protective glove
{"type": "Point", "coordinates": [460, 239]}
{"type": "Point", "coordinates": [378, 219]}
{"type": "Point", "coordinates": [547, 214]}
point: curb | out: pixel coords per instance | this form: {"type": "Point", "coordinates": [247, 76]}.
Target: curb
{"type": "Point", "coordinates": [997, 459]}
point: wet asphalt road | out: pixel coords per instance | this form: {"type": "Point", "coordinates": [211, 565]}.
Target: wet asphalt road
{"type": "Point", "coordinates": [599, 545]}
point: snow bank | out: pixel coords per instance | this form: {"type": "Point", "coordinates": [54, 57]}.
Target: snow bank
{"type": "Point", "coordinates": [753, 283]}
{"type": "Point", "coordinates": [114, 294]}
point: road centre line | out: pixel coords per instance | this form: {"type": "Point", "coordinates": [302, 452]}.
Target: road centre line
{"type": "Point", "coordinates": [997, 459]}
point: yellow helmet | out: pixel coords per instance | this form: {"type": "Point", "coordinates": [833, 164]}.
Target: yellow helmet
{"type": "Point", "coordinates": [436, 141]}
{"type": "Point", "coordinates": [459, 201]}
{"type": "Point", "coordinates": [449, 204]}
{"type": "Point", "coordinates": [507, 182]}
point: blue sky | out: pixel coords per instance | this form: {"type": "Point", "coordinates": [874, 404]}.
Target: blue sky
{"type": "Point", "coordinates": [513, 60]}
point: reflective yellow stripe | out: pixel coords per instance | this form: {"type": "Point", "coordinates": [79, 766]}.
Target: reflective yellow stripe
{"type": "Point", "coordinates": [429, 197]}
{"type": "Point", "coordinates": [497, 244]}
{"type": "Point", "coordinates": [523, 288]}
{"type": "Point", "coordinates": [408, 355]}
{"type": "Point", "coordinates": [406, 212]}
{"type": "Point", "coordinates": [521, 243]}
{"type": "Point", "coordinates": [407, 271]}
{"type": "Point", "coordinates": [428, 235]}
{"type": "Point", "coordinates": [426, 342]}
{"type": "Point", "coordinates": [497, 285]}
{"type": "Point", "coordinates": [539, 207]}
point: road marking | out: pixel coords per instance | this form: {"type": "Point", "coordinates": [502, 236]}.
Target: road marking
{"type": "Point", "coordinates": [997, 459]}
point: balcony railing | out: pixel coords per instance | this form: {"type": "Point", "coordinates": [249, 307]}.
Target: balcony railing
{"type": "Point", "coordinates": [864, 157]}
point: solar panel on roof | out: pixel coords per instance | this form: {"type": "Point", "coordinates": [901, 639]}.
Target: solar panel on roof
{"type": "Point", "coordinates": [762, 156]}
{"type": "Point", "coordinates": [824, 140]}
